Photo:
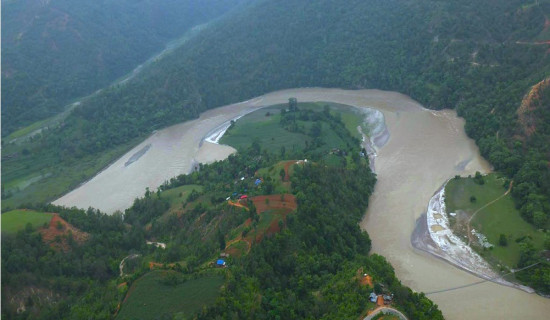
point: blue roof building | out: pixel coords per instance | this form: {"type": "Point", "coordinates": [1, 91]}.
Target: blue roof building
{"type": "Point", "coordinates": [373, 297]}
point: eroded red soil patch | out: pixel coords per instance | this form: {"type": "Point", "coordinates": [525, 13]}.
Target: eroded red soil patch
{"type": "Point", "coordinates": [59, 231]}
{"type": "Point", "coordinates": [158, 265]}
{"type": "Point", "coordinates": [275, 201]}
{"type": "Point", "coordinates": [237, 204]}
{"type": "Point", "coordinates": [287, 167]}
{"type": "Point", "coordinates": [233, 250]}
{"type": "Point", "coordinates": [526, 114]}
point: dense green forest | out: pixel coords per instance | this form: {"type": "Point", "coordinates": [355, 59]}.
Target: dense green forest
{"type": "Point", "coordinates": [479, 57]}
{"type": "Point", "coordinates": [306, 269]}
{"type": "Point", "coordinates": [56, 51]}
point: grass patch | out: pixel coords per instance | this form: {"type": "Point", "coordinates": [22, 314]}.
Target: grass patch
{"type": "Point", "coordinates": [266, 218]}
{"type": "Point", "coordinates": [274, 173]}
{"type": "Point", "coordinates": [178, 195]}
{"type": "Point", "coordinates": [151, 297]}
{"type": "Point", "coordinates": [501, 217]}
{"type": "Point", "coordinates": [264, 126]}
{"type": "Point", "coordinates": [459, 191]}
{"type": "Point", "coordinates": [28, 129]}
{"type": "Point", "coordinates": [267, 130]}
{"type": "Point", "coordinates": [352, 120]}
{"type": "Point", "coordinates": [16, 220]}
{"type": "Point", "coordinates": [237, 248]}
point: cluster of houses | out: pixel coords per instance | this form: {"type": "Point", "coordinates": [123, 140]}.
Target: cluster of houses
{"type": "Point", "coordinates": [243, 197]}
{"type": "Point", "coordinates": [379, 299]}
{"type": "Point", "coordinates": [382, 299]}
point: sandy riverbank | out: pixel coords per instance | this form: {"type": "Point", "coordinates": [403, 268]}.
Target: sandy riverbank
{"type": "Point", "coordinates": [433, 234]}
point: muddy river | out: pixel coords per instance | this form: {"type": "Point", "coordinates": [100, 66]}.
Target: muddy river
{"type": "Point", "coordinates": [424, 149]}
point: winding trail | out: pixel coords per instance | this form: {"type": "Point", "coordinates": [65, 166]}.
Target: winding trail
{"type": "Point", "coordinates": [386, 310]}
{"type": "Point", "coordinates": [121, 265]}
{"type": "Point", "coordinates": [485, 206]}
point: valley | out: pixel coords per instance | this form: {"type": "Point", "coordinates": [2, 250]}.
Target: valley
{"type": "Point", "coordinates": [425, 149]}
{"type": "Point", "coordinates": [289, 159]}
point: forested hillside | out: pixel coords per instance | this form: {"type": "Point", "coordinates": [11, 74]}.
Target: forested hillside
{"type": "Point", "coordinates": [480, 57]}
{"type": "Point", "coordinates": [58, 50]}
{"type": "Point", "coordinates": [304, 254]}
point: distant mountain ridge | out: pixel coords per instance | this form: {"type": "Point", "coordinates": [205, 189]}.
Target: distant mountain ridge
{"type": "Point", "coordinates": [57, 50]}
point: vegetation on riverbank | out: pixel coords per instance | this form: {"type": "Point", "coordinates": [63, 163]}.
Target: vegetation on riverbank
{"type": "Point", "coordinates": [487, 218]}
{"type": "Point", "coordinates": [301, 257]}
{"type": "Point", "coordinates": [279, 129]}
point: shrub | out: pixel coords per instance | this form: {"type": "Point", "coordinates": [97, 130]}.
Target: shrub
{"type": "Point", "coordinates": [503, 240]}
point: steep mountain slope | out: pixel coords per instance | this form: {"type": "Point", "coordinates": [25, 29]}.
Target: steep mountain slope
{"type": "Point", "coordinates": [57, 50]}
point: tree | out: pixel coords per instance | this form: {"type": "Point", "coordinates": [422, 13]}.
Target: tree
{"type": "Point", "coordinates": [292, 104]}
{"type": "Point", "coordinates": [315, 130]}
{"type": "Point", "coordinates": [221, 240]}
{"type": "Point", "coordinates": [377, 288]}
{"type": "Point", "coordinates": [503, 240]}
{"type": "Point", "coordinates": [479, 178]}
{"type": "Point", "coordinates": [282, 173]}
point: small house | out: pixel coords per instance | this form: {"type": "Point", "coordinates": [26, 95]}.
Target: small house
{"type": "Point", "coordinates": [220, 263]}
{"type": "Point", "coordinates": [257, 182]}
{"type": "Point", "coordinates": [373, 297]}
{"type": "Point", "coordinates": [244, 197]}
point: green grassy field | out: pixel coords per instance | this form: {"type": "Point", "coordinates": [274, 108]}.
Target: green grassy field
{"type": "Point", "coordinates": [352, 120]}
{"type": "Point", "coordinates": [13, 221]}
{"type": "Point", "coordinates": [178, 195]}
{"type": "Point", "coordinates": [272, 136]}
{"type": "Point", "coordinates": [501, 217]}
{"type": "Point", "coordinates": [150, 297]}
{"type": "Point", "coordinates": [28, 129]}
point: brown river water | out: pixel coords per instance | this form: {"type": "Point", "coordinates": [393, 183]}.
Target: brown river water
{"type": "Point", "coordinates": [424, 150]}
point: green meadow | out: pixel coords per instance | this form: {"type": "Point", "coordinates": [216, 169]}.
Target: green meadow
{"type": "Point", "coordinates": [264, 126]}
{"type": "Point", "coordinates": [15, 220]}
{"type": "Point", "coordinates": [499, 217]}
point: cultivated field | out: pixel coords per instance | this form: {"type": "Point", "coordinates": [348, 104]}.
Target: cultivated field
{"type": "Point", "coordinates": [157, 294]}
